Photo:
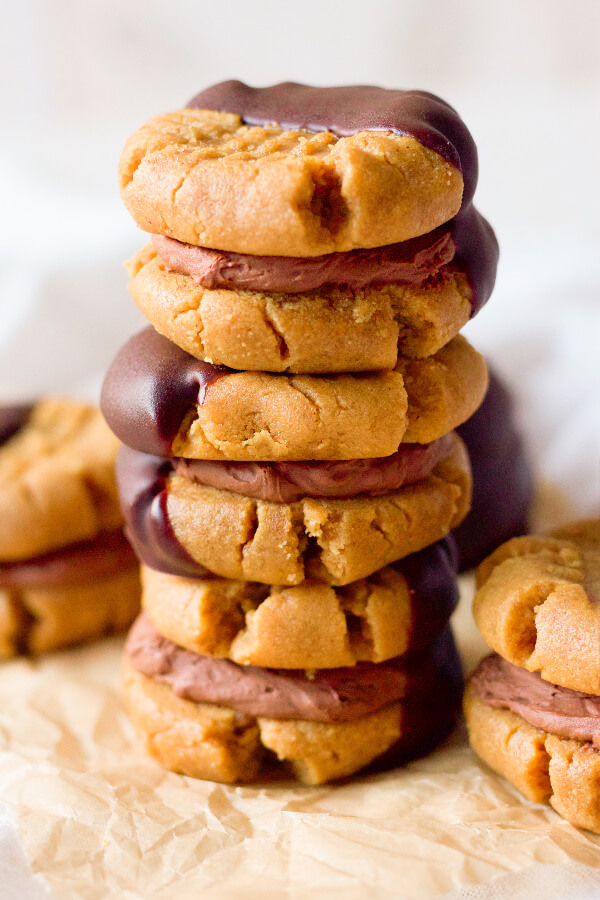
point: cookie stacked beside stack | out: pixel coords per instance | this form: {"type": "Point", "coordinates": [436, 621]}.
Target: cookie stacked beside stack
{"type": "Point", "coordinates": [331, 259]}
{"type": "Point", "coordinates": [533, 706]}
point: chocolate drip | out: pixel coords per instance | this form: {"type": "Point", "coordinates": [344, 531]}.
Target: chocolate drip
{"type": "Point", "coordinates": [570, 714]}
{"type": "Point", "coordinates": [348, 110]}
{"type": "Point", "coordinates": [82, 563]}
{"type": "Point", "coordinates": [431, 577]}
{"type": "Point", "coordinates": [142, 482]}
{"type": "Point", "coordinates": [12, 419]}
{"type": "Point", "coordinates": [502, 480]}
{"type": "Point", "coordinates": [330, 695]}
{"type": "Point", "coordinates": [149, 388]}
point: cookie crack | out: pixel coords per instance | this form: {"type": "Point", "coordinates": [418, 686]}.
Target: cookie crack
{"type": "Point", "coordinates": [282, 346]}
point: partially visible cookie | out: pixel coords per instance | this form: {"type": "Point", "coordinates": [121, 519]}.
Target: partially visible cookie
{"type": "Point", "coordinates": [398, 609]}
{"type": "Point", "coordinates": [159, 399]}
{"type": "Point", "coordinates": [538, 604]}
{"type": "Point", "coordinates": [69, 596]}
{"type": "Point", "coordinates": [345, 168]}
{"type": "Point", "coordinates": [56, 480]}
{"type": "Point", "coordinates": [180, 526]}
{"type": "Point", "coordinates": [541, 759]}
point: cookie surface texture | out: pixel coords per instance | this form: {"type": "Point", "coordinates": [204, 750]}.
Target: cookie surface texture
{"type": "Point", "coordinates": [161, 400]}
{"type": "Point", "coordinates": [538, 605]}
{"type": "Point", "coordinates": [313, 625]}
{"type": "Point", "coordinates": [205, 176]}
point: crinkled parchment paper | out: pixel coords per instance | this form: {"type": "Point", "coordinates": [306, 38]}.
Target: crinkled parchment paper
{"type": "Point", "coordinates": [97, 819]}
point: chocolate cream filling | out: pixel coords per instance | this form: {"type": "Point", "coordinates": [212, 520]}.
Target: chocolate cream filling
{"type": "Point", "coordinates": [467, 244]}
{"type": "Point", "coordinates": [143, 482]}
{"type": "Point", "coordinates": [327, 695]}
{"type": "Point", "coordinates": [288, 482]}
{"type": "Point", "coordinates": [83, 563]}
{"type": "Point", "coordinates": [569, 714]}
{"type": "Point", "coordinates": [12, 419]}
{"type": "Point", "coordinates": [349, 110]}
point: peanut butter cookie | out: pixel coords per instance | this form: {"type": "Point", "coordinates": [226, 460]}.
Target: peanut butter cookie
{"type": "Point", "coordinates": [343, 168]}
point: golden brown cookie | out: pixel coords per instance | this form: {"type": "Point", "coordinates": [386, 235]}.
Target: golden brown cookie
{"type": "Point", "coordinates": [313, 625]}
{"type": "Point", "coordinates": [538, 604]}
{"type": "Point", "coordinates": [321, 331]}
{"type": "Point", "coordinates": [160, 400]}
{"type": "Point", "coordinates": [543, 766]}
{"type": "Point", "coordinates": [57, 480]}
{"type": "Point", "coordinates": [206, 178]}
{"type": "Point", "coordinates": [335, 541]}
{"type": "Point", "coordinates": [71, 595]}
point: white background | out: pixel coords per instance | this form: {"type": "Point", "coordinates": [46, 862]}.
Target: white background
{"type": "Point", "coordinates": [77, 76]}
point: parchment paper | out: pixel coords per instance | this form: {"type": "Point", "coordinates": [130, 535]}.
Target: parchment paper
{"type": "Point", "coordinates": [98, 819]}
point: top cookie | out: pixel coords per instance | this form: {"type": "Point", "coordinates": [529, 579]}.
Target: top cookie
{"type": "Point", "coordinates": [57, 483]}
{"type": "Point", "coordinates": [292, 170]}
{"type": "Point", "coordinates": [538, 605]}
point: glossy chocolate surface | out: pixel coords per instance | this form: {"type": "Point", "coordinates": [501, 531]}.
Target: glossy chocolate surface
{"type": "Point", "coordinates": [558, 710]}
{"type": "Point", "coordinates": [502, 479]}
{"type": "Point", "coordinates": [142, 483]}
{"type": "Point", "coordinates": [328, 695]}
{"type": "Point", "coordinates": [149, 387]}
{"type": "Point", "coordinates": [12, 419]}
{"type": "Point", "coordinates": [348, 110]}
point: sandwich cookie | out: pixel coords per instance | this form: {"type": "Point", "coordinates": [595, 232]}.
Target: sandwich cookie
{"type": "Point", "coordinates": [336, 168]}
{"type": "Point", "coordinates": [341, 312]}
{"type": "Point", "coordinates": [533, 707]}
{"type": "Point", "coordinates": [67, 573]}
{"type": "Point", "coordinates": [161, 400]}
{"type": "Point", "coordinates": [213, 719]}
{"type": "Point", "coordinates": [282, 523]}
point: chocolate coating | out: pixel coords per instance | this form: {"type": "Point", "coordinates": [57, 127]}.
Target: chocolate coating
{"type": "Point", "coordinates": [82, 563]}
{"type": "Point", "coordinates": [142, 482]}
{"type": "Point", "coordinates": [288, 482]}
{"type": "Point", "coordinates": [149, 387]}
{"type": "Point", "coordinates": [330, 695]}
{"type": "Point", "coordinates": [431, 577]}
{"type": "Point", "coordinates": [348, 110]}
{"type": "Point", "coordinates": [557, 710]}
{"type": "Point", "coordinates": [467, 242]}
{"type": "Point", "coordinates": [12, 419]}
{"type": "Point", "coordinates": [502, 480]}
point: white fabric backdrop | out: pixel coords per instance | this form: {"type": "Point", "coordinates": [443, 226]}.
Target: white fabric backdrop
{"type": "Point", "coordinates": [78, 76]}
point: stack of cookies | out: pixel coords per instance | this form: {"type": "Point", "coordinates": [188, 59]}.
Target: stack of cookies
{"type": "Point", "coordinates": [291, 469]}
{"type": "Point", "coordinates": [533, 706]}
